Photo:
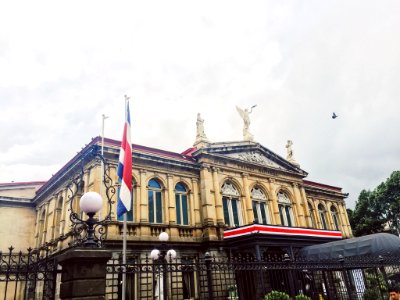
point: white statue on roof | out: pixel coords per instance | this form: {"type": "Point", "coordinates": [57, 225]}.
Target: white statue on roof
{"type": "Point", "coordinates": [289, 156]}
{"type": "Point", "coordinates": [245, 114]}
{"type": "Point", "coordinates": [201, 138]}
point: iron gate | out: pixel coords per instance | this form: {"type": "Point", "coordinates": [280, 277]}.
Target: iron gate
{"type": "Point", "coordinates": [29, 276]}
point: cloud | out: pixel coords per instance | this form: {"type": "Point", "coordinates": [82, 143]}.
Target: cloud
{"type": "Point", "coordinates": [62, 67]}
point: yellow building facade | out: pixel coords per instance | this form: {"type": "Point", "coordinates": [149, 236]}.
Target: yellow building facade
{"type": "Point", "coordinates": [195, 196]}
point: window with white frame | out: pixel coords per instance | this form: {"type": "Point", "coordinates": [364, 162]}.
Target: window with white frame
{"type": "Point", "coordinates": [231, 205]}
{"type": "Point", "coordinates": [285, 209]}
{"type": "Point", "coordinates": [322, 216]}
{"type": "Point", "coordinates": [335, 218]}
{"type": "Point", "coordinates": [155, 202]}
{"type": "Point", "coordinates": [181, 204]}
{"type": "Point", "coordinates": [312, 216]}
{"type": "Point", "coordinates": [260, 206]}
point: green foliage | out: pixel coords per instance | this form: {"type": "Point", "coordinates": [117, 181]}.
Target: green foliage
{"type": "Point", "coordinates": [302, 297]}
{"type": "Point", "coordinates": [378, 208]}
{"type": "Point", "coordinates": [371, 294]}
{"type": "Point", "coordinates": [276, 295]}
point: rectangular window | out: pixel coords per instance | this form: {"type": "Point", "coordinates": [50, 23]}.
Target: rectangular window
{"type": "Point", "coordinates": [178, 209]}
{"type": "Point", "coordinates": [151, 207]}
{"type": "Point", "coordinates": [235, 212]}
{"type": "Point", "coordinates": [282, 215]}
{"type": "Point", "coordinates": [263, 209]}
{"type": "Point", "coordinates": [158, 208]}
{"type": "Point", "coordinates": [185, 210]}
{"type": "Point", "coordinates": [288, 216]}
{"type": "Point", "coordinates": [255, 212]}
{"type": "Point", "coordinates": [226, 211]}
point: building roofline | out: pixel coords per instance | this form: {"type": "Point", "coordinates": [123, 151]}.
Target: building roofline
{"type": "Point", "coordinates": [12, 183]}
{"type": "Point", "coordinates": [321, 185]}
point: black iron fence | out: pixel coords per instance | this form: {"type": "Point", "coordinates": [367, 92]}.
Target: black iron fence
{"type": "Point", "coordinates": [244, 278]}
{"type": "Point", "coordinates": [33, 275]}
{"type": "Point", "coordinates": [30, 275]}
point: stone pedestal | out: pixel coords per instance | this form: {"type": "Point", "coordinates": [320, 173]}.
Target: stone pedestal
{"type": "Point", "coordinates": [83, 274]}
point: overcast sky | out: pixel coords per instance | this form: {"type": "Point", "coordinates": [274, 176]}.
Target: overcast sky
{"type": "Point", "coordinates": [65, 63]}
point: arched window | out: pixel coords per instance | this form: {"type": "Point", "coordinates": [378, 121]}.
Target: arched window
{"type": "Point", "coordinates": [42, 228]}
{"type": "Point", "coordinates": [129, 214]}
{"type": "Point", "coordinates": [335, 218]}
{"type": "Point", "coordinates": [57, 218]}
{"type": "Point", "coordinates": [312, 216]}
{"type": "Point", "coordinates": [322, 216]}
{"type": "Point", "coordinates": [285, 209]}
{"type": "Point", "coordinates": [181, 204]}
{"type": "Point", "coordinates": [155, 202]}
{"type": "Point", "coordinates": [231, 205]}
{"type": "Point", "coordinates": [260, 207]}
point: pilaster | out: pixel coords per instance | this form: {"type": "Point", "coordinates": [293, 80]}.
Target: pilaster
{"type": "Point", "coordinates": [196, 203]}
{"type": "Point", "coordinates": [248, 208]}
{"type": "Point", "coordinates": [301, 221]}
{"type": "Point", "coordinates": [217, 197]}
{"type": "Point", "coordinates": [144, 213]}
{"type": "Point", "coordinates": [275, 208]}
{"type": "Point", "coordinates": [208, 204]}
{"type": "Point", "coordinates": [171, 212]}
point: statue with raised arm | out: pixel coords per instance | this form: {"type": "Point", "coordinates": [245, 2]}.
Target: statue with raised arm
{"type": "Point", "coordinates": [201, 138]}
{"type": "Point", "coordinates": [289, 156]}
{"type": "Point", "coordinates": [245, 115]}
{"type": "Point", "coordinates": [200, 127]}
{"type": "Point", "coordinates": [289, 150]}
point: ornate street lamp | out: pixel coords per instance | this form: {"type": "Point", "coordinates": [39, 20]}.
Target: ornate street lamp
{"type": "Point", "coordinates": [90, 232]}
{"type": "Point", "coordinates": [161, 257]}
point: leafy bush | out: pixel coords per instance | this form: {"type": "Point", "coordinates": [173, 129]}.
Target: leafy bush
{"type": "Point", "coordinates": [302, 297]}
{"type": "Point", "coordinates": [276, 295]}
{"type": "Point", "coordinates": [371, 294]}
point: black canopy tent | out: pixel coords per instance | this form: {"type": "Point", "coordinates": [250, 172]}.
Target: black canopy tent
{"type": "Point", "coordinates": [369, 245]}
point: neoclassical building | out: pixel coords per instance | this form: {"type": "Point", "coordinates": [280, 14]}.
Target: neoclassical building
{"type": "Point", "coordinates": [222, 197]}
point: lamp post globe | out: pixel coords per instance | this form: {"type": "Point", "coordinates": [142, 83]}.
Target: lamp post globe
{"type": "Point", "coordinates": [155, 254]}
{"type": "Point", "coordinates": [171, 255]}
{"type": "Point", "coordinates": [163, 237]}
{"type": "Point", "coordinates": [91, 202]}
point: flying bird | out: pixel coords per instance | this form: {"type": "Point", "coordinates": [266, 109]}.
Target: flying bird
{"type": "Point", "coordinates": [334, 116]}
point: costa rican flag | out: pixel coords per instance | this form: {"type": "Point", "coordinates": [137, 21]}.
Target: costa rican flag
{"type": "Point", "coordinates": [125, 168]}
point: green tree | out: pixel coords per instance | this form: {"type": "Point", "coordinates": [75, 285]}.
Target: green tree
{"type": "Point", "coordinates": [378, 209]}
{"type": "Point", "coordinates": [389, 195]}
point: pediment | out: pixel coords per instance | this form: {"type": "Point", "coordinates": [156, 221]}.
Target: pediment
{"type": "Point", "coordinates": [250, 153]}
{"type": "Point", "coordinates": [254, 157]}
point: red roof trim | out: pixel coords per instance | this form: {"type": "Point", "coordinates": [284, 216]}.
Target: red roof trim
{"type": "Point", "coordinates": [321, 185]}
{"type": "Point", "coordinates": [140, 148]}
{"type": "Point", "coordinates": [277, 230]}
{"type": "Point", "coordinates": [189, 152]}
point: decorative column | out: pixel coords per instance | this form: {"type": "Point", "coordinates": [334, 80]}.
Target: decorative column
{"type": "Point", "coordinates": [300, 212]}
{"type": "Point", "coordinates": [171, 212]}
{"type": "Point", "coordinates": [217, 196]}
{"type": "Point", "coordinates": [83, 273]}
{"type": "Point", "coordinates": [196, 204]}
{"type": "Point", "coordinates": [307, 212]}
{"type": "Point", "coordinates": [275, 211]}
{"type": "Point", "coordinates": [136, 201]}
{"type": "Point", "coordinates": [144, 213]}
{"type": "Point", "coordinates": [248, 208]}
{"type": "Point", "coordinates": [346, 228]}
{"type": "Point", "coordinates": [208, 204]}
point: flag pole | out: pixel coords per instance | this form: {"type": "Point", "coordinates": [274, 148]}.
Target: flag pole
{"type": "Point", "coordinates": [102, 155]}
{"type": "Point", "coordinates": [124, 231]}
